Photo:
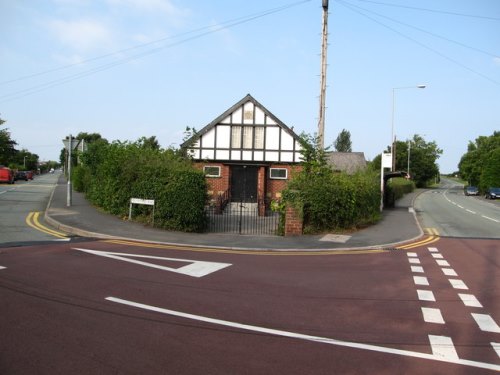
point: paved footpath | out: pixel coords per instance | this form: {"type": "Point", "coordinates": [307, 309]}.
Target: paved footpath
{"type": "Point", "coordinates": [397, 225]}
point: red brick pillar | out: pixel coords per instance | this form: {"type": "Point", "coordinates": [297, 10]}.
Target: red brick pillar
{"type": "Point", "coordinates": [293, 222]}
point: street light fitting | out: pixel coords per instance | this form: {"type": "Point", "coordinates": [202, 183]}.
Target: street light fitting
{"type": "Point", "coordinates": [421, 86]}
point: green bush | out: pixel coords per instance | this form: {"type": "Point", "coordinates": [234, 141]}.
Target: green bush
{"type": "Point", "coordinates": [334, 201]}
{"type": "Point", "coordinates": [114, 173]}
{"type": "Point", "coordinates": [395, 189]}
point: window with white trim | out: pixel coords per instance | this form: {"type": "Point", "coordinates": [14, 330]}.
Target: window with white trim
{"type": "Point", "coordinates": [211, 171]}
{"type": "Point", "coordinates": [278, 173]}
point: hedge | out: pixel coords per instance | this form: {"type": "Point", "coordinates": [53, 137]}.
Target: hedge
{"type": "Point", "coordinates": [113, 173]}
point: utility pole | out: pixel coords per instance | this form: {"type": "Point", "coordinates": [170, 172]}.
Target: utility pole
{"type": "Point", "coordinates": [322, 94]}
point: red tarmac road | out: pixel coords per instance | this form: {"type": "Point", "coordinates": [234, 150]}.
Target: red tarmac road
{"type": "Point", "coordinates": [260, 314]}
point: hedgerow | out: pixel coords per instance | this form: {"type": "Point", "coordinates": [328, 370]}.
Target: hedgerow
{"type": "Point", "coordinates": [330, 200]}
{"type": "Point", "coordinates": [111, 174]}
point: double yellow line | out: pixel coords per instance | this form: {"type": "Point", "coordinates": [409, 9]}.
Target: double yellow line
{"type": "Point", "coordinates": [32, 221]}
{"type": "Point", "coordinates": [244, 251]}
{"type": "Point", "coordinates": [433, 236]}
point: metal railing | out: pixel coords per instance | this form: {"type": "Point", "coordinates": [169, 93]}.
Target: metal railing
{"type": "Point", "coordinates": [241, 217]}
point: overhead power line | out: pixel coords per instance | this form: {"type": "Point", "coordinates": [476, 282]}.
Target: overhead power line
{"type": "Point", "coordinates": [177, 39]}
{"type": "Point", "coordinates": [431, 10]}
{"type": "Point", "coordinates": [363, 12]}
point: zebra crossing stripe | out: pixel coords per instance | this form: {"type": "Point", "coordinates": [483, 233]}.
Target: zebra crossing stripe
{"type": "Point", "coordinates": [442, 346]}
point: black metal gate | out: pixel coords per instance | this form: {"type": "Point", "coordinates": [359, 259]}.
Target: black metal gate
{"type": "Point", "coordinates": [242, 217]}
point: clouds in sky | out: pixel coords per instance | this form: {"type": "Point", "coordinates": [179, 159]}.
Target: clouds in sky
{"type": "Point", "coordinates": [85, 32]}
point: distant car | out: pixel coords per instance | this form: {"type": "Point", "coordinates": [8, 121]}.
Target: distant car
{"type": "Point", "coordinates": [29, 174]}
{"type": "Point", "coordinates": [471, 190]}
{"type": "Point", "coordinates": [493, 193]}
{"type": "Point", "coordinates": [7, 175]}
{"type": "Point", "coordinates": [21, 175]}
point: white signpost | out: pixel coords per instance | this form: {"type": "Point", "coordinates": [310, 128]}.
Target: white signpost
{"type": "Point", "coordinates": [147, 202]}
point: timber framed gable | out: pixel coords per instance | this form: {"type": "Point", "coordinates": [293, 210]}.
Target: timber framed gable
{"type": "Point", "coordinates": [245, 133]}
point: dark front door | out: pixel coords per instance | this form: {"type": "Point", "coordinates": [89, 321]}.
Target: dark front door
{"type": "Point", "coordinates": [244, 183]}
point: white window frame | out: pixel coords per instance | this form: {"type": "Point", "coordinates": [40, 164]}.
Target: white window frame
{"type": "Point", "coordinates": [211, 166]}
{"type": "Point", "coordinates": [278, 178]}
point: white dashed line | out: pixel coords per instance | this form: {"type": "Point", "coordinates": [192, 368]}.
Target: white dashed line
{"type": "Point", "coordinates": [442, 263]}
{"type": "Point", "coordinates": [457, 284]}
{"type": "Point", "coordinates": [469, 300]}
{"type": "Point", "coordinates": [417, 269]}
{"type": "Point", "coordinates": [420, 280]}
{"type": "Point", "coordinates": [442, 346]}
{"type": "Point", "coordinates": [486, 323]}
{"type": "Point", "coordinates": [433, 249]}
{"type": "Point", "coordinates": [411, 255]}
{"type": "Point", "coordinates": [470, 211]}
{"type": "Point", "coordinates": [414, 260]}
{"type": "Point", "coordinates": [432, 315]}
{"type": "Point", "coordinates": [2, 267]}
{"type": "Point", "coordinates": [425, 295]}
{"type": "Point", "coordinates": [449, 271]}
{"type": "Point", "coordinates": [490, 218]}
{"type": "Point", "coordinates": [437, 256]}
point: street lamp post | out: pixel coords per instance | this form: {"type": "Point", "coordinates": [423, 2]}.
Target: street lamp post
{"type": "Point", "coordinates": [409, 149]}
{"type": "Point", "coordinates": [393, 141]}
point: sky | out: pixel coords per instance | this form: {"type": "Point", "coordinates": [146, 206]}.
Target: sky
{"type": "Point", "coordinates": [133, 68]}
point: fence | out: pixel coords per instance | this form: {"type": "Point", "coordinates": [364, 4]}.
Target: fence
{"type": "Point", "coordinates": [243, 218]}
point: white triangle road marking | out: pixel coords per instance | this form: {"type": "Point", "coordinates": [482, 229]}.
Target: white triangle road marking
{"type": "Point", "coordinates": [195, 268]}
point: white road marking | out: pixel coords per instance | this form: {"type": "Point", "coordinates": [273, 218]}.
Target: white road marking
{"type": "Point", "coordinates": [2, 268]}
{"type": "Point", "coordinates": [417, 269]}
{"type": "Point", "coordinates": [425, 295]}
{"type": "Point", "coordinates": [490, 218]}
{"type": "Point", "coordinates": [457, 284]}
{"type": "Point", "coordinates": [442, 263]}
{"type": "Point", "coordinates": [411, 255]}
{"type": "Point", "coordinates": [486, 323]}
{"type": "Point", "coordinates": [196, 268]}
{"type": "Point", "coordinates": [470, 300]}
{"type": "Point", "coordinates": [496, 346]}
{"type": "Point", "coordinates": [441, 346]}
{"type": "Point", "coordinates": [414, 260]}
{"type": "Point", "coordinates": [437, 256]}
{"type": "Point", "coordinates": [470, 211]}
{"type": "Point", "coordinates": [433, 249]}
{"type": "Point", "coordinates": [432, 315]}
{"type": "Point", "coordinates": [449, 271]}
{"type": "Point", "coordinates": [420, 280]}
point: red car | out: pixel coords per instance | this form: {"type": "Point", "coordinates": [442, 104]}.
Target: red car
{"type": "Point", "coordinates": [6, 175]}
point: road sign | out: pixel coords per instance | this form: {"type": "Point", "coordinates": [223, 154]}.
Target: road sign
{"type": "Point", "coordinates": [74, 143]}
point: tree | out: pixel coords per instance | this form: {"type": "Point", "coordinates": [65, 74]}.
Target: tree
{"type": "Point", "coordinates": [490, 176]}
{"type": "Point", "coordinates": [477, 157]}
{"type": "Point", "coordinates": [343, 142]}
{"type": "Point", "coordinates": [423, 159]}
{"type": "Point", "coordinates": [149, 143]}
{"type": "Point", "coordinates": [7, 146]}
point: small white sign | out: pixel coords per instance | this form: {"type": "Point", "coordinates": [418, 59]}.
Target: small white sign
{"type": "Point", "coordinates": [148, 202]}
{"type": "Point", "coordinates": [387, 160]}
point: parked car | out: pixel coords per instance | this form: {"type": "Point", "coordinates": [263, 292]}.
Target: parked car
{"type": "Point", "coordinates": [6, 175]}
{"type": "Point", "coordinates": [30, 174]}
{"type": "Point", "coordinates": [21, 175]}
{"type": "Point", "coordinates": [471, 190]}
{"type": "Point", "coordinates": [493, 193]}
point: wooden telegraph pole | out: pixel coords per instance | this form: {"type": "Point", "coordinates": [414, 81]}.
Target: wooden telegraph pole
{"type": "Point", "coordinates": [322, 94]}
